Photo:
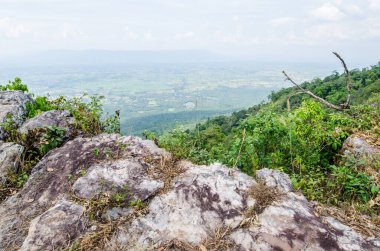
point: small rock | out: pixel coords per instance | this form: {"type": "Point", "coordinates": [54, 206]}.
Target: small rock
{"type": "Point", "coordinates": [61, 119]}
{"type": "Point", "coordinates": [359, 147]}
{"type": "Point", "coordinates": [10, 157]}
{"type": "Point", "coordinates": [55, 227]}
{"type": "Point", "coordinates": [275, 179]}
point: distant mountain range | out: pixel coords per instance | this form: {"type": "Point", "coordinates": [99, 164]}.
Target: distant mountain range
{"type": "Point", "coordinates": [99, 57]}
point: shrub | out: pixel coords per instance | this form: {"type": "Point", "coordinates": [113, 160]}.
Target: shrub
{"type": "Point", "coordinates": [52, 138]}
{"type": "Point", "coordinates": [15, 85]}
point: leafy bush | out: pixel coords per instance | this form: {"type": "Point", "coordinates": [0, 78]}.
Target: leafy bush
{"type": "Point", "coordinates": [304, 143]}
{"type": "Point", "coordinates": [86, 110]}
{"type": "Point", "coordinates": [52, 138]}
{"type": "Point", "coordinates": [15, 85]}
{"type": "Point", "coordinates": [351, 185]}
{"type": "Point", "coordinates": [89, 120]}
{"type": "Point", "coordinates": [40, 104]}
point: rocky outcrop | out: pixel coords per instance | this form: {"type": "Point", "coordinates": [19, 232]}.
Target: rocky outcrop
{"type": "Point", "coordinates": [359, 146]}
{"type": "Point", "coordinates": [201, 200]}
{"type": "Point", "coordinates": [58, 176]}
{"type": "Point", "coordinates": [12, 103]}
{"type": "Point", "coordinates": [123, 193]}
{"type": "Point", "coordinates": [290, 224]}
{"type": "Point", "coordinates": [61, 119]}
{"type": "Point", "coordinates": [10, 156]}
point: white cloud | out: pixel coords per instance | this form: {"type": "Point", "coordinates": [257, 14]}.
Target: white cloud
{"type": "Point", "coordinates": [69, 30]}
{"type": "Point", "coordinates": [282, 21]}
{"type": "Point", "coordinates": [374, 31]}
{"type": "Point", "coordinates": [11, 29]}
{"type": "Point", "coordinates": [352, 9]}
{"type": "Point", "coordinates": [327, 32]}
{"type": "Point", "coordinates": [185, 35]}
{"type": "Point", "coordinates": [374, 4]}
{"type": "Point", "coordinates": [328, 12]}
{"type": "Point", "coordinates": [131, 35]}
{"type": "Point", "coordinates": [148, 36]}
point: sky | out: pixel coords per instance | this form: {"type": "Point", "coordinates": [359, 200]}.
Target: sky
{"type": "Point", "coordinates": [247, 29]}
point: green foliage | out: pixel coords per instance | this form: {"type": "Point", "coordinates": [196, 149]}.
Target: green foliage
{"type": "Point", "coordinates": [15, 85]}
{"type": "Point", "coordinates": [40, 104]}
{"type": "Point", "coordinates": [351, 185]}
{"type": "Point", "coordinates": [119, 199]}
{"type": "Point", "coordinates": [9, 126]}
{"type": "Point", "coordinates": [137, 204]}
{"type": "Point", "coordinates": [89, 120]}
{"type": "Point", "coordinates": [86, 110]}
{"type": "Point", "coordinates": [18, 179]}
{"type": "Point", "coordinates": [89, 117]}
{"type": "Point", "coordinates": [52, 138]}
{"type": "Point", "coordinates": [304, 143]}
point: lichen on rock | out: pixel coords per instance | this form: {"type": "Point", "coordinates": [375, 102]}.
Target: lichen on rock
{"type": "Point", "coordinates": [13, 104]}
{"type": "Point", "coordinates": [10, 156]}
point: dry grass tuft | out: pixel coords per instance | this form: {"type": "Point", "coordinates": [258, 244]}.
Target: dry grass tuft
{"type": "Point", "coordinates": [176, 245]}
{"type": "Point", "coordinates": [100, 238]}
{"type": "Point", "coordinates": [97, 239]}
{"type": "Point", "coordinates": [165, 169]}
{"type": "Point", "coordinates": [218, 240]}
{"type": "Point", "coordinates": [264, 196]}
{"type": "Point", "coordinates": [367, 226]}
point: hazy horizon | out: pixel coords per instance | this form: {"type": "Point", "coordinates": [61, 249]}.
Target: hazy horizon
{"type": "Point", "coordinates": [291, 31]}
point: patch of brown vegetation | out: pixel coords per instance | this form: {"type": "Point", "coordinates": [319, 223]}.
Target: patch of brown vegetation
{"type": "Point", "coordinates": [100, 238]}
{"type": "Point", "coordinates": [371, 138]}
{"type": "Point", "coordinates": [218, 240]}
{"type": "Point", "coordinates": [176, 245]}
{"type": "Point", "coordinates": [363, 224]}
{"type": "Point", "coordinates": [264, 196]}
{"type": "Point", "coordinates": [165, 169]}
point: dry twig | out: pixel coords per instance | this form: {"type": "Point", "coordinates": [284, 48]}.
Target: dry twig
{"type": "Point", "coordinates": [323, 101]}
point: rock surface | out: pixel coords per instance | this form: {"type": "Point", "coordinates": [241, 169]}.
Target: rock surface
{"type": "Point", "coordinates": [181, 205]}
{"type": "Point", "coordinates": [46, 230]}
{"type": "Point", "coordinates": [61, 119]}
{"type": "Point", "coordinates": [202, 199]}
{"type": "Point", "coordinates": [359, 147]}
{"type": "Point", "coordinates": [14, 103]}
{"type": "Point", "coordinates": [52, 179]}
{"type": "Point", "coordinates": [121, 175]}
{"type": "Point", "coordinates": [10, 155]}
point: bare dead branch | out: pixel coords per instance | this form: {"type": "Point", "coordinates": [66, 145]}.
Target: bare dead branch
{"type": "Point", "coordinates": [312, 94]}
{"type": "Point", "coordinates": [349, 83]}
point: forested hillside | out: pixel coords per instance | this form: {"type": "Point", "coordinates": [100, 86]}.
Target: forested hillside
{"type": "Point", "coordinates": [303, 138]}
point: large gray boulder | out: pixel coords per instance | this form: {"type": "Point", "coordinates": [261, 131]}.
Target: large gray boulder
{"type": "Point", "coordinates": [122, 193]}
{"type": "Point", "coordinates": [52, 181]}
{"type": "Point", "coordinates": [290, 223]}
{"type": "Point", "coordinates": [10, 157]}
{"type": "Point", "coordinates": [201, 200]}
{"type": "Point", "coordinates": [57, 118]}
{"type": "Point", "coordinates": [13, 103]}
{"type": "Point", "coordinates": [210, 208]}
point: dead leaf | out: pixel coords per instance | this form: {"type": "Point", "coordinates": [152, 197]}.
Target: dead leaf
{"type": "Point", "coordinates": [202, 248]}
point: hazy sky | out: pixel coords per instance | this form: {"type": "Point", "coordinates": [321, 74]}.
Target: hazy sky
{"type": "Point", "coordinates": [266, 29]}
